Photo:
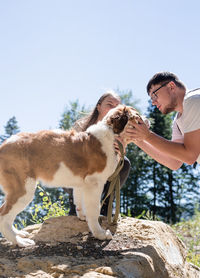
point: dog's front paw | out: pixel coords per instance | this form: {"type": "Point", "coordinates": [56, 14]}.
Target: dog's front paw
{"type": "Point", "coordinates": [103, 234]}
{"type": "Point", "coordinates": [20, 233]}
{"type": "Point", "coordinates": [24, 242]}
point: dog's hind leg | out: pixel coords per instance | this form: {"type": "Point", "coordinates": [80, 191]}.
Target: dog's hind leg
{"type": "Point", "coordinates": [15, 202]}
{"type": "Point", "coordinates": [78, 201]}
{"type": "Point", "coordinates": [91, 196]}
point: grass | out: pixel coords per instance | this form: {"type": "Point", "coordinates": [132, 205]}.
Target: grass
{"type": "Point", "coordinates": [189, 233]}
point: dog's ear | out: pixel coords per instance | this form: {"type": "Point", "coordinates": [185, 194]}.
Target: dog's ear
{"type": "Point", "coordinates": [133, 114]}
{"type": "Point", "coordinates": [118, 120]}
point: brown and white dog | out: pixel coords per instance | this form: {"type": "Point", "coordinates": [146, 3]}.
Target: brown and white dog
{"type": "Point", "coordinates": [80, 160]}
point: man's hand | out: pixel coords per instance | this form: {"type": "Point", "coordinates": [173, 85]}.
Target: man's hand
{"type": "Point", "coordinates": [136, 131]}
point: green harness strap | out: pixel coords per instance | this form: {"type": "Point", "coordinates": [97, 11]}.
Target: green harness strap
{"type": "Point", "coordinates": [114, 188]}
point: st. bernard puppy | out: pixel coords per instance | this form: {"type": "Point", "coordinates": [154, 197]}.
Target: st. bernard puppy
{"type": "Point", "coordinates": [80, 160]}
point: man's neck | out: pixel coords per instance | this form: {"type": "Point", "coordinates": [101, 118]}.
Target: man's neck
{"type": "Point", "coordinates": [180, 98]}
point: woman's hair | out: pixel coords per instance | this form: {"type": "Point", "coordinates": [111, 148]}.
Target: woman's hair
{"type": "Point", "coordinates": [162, 77]}
{"type": "Point", "coordinates": [91, 119]}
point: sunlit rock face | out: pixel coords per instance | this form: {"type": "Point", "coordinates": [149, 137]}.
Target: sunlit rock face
{"type": "Point", "coordinates": [65, 248]}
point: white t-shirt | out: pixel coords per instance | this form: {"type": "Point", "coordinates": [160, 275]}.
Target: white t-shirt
{"type": "Point", "coordinates": [190, 118]}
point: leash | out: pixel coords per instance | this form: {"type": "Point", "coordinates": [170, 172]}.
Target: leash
{"type": "Point", "coordinates": [114, 188]}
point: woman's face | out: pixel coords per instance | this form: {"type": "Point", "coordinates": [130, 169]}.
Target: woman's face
{"type": "Point", "coordinates": [107, 104]}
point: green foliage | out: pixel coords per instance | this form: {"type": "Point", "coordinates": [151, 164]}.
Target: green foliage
{"type": "Point", "coordinates": [46, 208]}
{"type": "Point", "coordinates": [168, 195]}
{"type": "Point", "coordinates": [134, 194]}
{"type": "Point", "coordinates": [47, 203]}
{"type": "Point", "coordinates": [20, 223]}
{"type": "Point", "coordinates": [148, 215]}
{"type": "Point", "coordinates": [127, 98]}
{"type": "Point", "coordinates": [71, 114]}
{"type": "Point", "coordinates": [169, 188]}
{"type": "Point", "coordinates": [189, 233]}
{"type": "Point", "coordinates": [11, 128]}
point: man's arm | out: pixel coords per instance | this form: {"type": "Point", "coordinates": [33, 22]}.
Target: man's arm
{"type": "Point", "coordinates": [169, 153]}
{"type": "Point", "coordinates": [173, 164]}
{"type": "Point", "coordinates": [160, 157]}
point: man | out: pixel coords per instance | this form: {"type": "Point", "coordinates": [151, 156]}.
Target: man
{"type": "Point", "coordinates": [169, 94]}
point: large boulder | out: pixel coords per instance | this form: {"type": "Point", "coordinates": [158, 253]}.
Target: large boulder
{"type": "Point", "coordinates": [65, 248]}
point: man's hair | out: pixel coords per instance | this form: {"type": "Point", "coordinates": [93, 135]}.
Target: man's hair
{"type": "Point", "coordinates": [162, 77]}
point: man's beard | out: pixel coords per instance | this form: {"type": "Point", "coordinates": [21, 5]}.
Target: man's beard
{"type": "Point", "coordinates": [170, 108]}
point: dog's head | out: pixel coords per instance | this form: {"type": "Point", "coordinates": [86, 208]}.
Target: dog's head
{"type": "Point", "coordinates": [118, 117]}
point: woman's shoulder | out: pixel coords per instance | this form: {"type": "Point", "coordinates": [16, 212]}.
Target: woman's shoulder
{"type": "Point", "coordinates": [80, 124]}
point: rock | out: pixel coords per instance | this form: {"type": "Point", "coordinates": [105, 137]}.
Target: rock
{"type": "Point", "coordinates": [65, 248]}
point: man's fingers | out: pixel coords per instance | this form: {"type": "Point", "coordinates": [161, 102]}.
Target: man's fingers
{"type": "Point", "coordinates": [140, 121]}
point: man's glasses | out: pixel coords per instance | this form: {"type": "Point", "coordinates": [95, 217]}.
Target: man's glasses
{"type": "Point", "coordinates": [154, 93]}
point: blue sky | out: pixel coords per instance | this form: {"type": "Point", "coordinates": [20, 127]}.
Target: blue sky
{"type": "Point", "coordinates": [53, 52]}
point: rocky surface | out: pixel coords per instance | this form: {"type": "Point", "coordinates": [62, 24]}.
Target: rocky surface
{"type": "Point", "coordinates": [65, 248]}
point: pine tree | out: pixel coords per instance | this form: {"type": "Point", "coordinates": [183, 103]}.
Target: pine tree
{"type": "Point", "coordinates": [134, 197]}
{"type": "Point", "coordinates": [11, 128]}
{"type": "Point", "coordinates": [173, 192]}
{"type": "Point", "coordinates": [71, 114]}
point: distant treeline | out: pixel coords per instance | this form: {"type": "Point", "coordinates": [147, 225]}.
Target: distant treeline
{"type": "Point", "coordinates": [151, 190]}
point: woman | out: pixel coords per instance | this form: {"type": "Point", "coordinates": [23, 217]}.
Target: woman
{"type": "Point", "coordinates": [106, 102]}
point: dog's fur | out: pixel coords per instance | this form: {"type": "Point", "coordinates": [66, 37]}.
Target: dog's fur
{"type": "Point", "coordinates": [81, 160]}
